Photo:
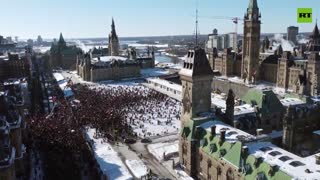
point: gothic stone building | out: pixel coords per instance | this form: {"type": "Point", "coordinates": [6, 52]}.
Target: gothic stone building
{"type": "Point", "coordinates": [210, 149]}
{"type": "Point", "coordinates": [283, 69]}
{"type": "Point", "coordinates": [63, 56]}
{"type": "Point", "coordinates": [15, 66]}
{"type": "Point", "coordinates": [147, 60]}
{"type": "Point", "coordinates": [12, 127]}
{"type": "Point", "coordinates": [106, 68]}
{"type": "Point", "coordinates": [96, 66]}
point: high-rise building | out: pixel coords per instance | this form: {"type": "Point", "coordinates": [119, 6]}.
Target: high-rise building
{"type": "Point", "coordinates": [232, 41]}
{"type": "Point", "coordinates": [39, 40]}
{"type": "Point", "coordinates": [292, 33]}
{"type": "Point", "coordinates": [9, 40]}
{"type": "Point", "coordinates": [214, 41]}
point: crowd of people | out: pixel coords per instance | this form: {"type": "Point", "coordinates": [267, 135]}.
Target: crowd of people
{"type": "Point", "coordinates": [114, 111]}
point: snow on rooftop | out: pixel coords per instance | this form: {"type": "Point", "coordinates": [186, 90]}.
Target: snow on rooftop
{"type": "Point", "coordinates": [110, 58]}
{"type": "Point", "coordinates": [182, 174]}
{"type": "Point", "coordinates": [137, 167]}
{"type": "Point", "coordinates": [291, 164]}
{"type": "Point", "coordinates": [165, 83]}
{"type": "Point", "coordinates": [153, 72]}
{"type": "Point", "coordinates": [243, 109]}
{"type": "Point", "coordinates": [148, 45]}
{"type": "Point", "coordinates": [275, 134]}
{"type": "Point", "coordinates": [58, 76]}
{"type": "Point", "coordinates": [291, 102]}
{"type": "Point", "coordinates": [219, 101]}
{"type": "Point", "coordinates": [158, 149]}
{"type": "Point", "coordinates": [109, 161]}
{"type": "Point", "coordinates": [232, 134]}
{"type": "Point", "coordinates": [169, 65]}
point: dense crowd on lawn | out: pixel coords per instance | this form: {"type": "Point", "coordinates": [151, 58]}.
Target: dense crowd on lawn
{"type": "Point", "coordinates": [114, 111]}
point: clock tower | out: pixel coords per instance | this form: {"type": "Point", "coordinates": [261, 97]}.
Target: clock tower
{"type": "Point", "coordinates": [251, 43]}
{"type": "Point", "coordinates": [196, 77]}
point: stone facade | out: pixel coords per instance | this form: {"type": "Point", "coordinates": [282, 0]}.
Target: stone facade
{"type": "Point", "coordinates": [146, 60]}
{"type": "Point", "coordinates": [114, 68]}
{"type": "Point", "coordinates": [15, 66]}
{"type": "Point", "coordinates": [12, 124]}
{"type": "Point", "coordinates": [295, 72]}
{"type": "Point", "coordinates": [251, 43]}
{"type": "Point", "coordinates": [63, 56]}
{"type": "Point", "coordinates": [210, 154]}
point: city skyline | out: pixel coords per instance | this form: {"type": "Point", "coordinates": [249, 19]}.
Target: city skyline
{"type": "Point", "coordinates": [92, 19]}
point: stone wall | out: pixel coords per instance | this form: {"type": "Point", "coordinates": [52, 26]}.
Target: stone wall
{"type": "Point", "coordinates": [224, 86]}
{"type": "Point", "coordinates": [269, 72]}
{"type": "Point", "coordinates": [114, 73]}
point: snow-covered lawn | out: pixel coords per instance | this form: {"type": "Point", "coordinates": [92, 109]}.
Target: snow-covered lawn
{"type": "Point", "coordinates": [108, 159]}
{"type": "Point", "coordinates": [158, 149]}
{"type": "Point", "coordinates": [137, 167]}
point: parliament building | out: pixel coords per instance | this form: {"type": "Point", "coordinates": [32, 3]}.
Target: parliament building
{"type": "Point", "coordinates": [94, 66]}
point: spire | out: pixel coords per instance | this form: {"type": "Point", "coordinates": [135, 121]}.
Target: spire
{"type": "Point", "coordinates": [253, 4]}
{"type": "Point", "coordinates": [113, 28]}
{"type": "Point", "coordinates": [315, 32]}
{"type": "Point", "coordinates": [61, 41]}
{"type": "Point", "coordinates": [253, 11]}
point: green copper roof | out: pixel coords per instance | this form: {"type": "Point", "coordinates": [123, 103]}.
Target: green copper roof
{"type": "Point", "coordinates": [234, 154]}
{"type": "Point", "coordinates": [266, 100]}
{"type": "Point", "coordinates": [231, 153]}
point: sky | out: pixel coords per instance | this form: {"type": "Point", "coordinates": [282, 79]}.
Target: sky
{"type": "Point", "coordinates": [92, 18]}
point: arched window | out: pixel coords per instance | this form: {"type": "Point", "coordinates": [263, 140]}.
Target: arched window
{"type": "Point", "coordinates": [230, 175]}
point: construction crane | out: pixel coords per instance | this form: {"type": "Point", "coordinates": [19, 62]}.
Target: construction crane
{"type": "Point", "coordinates": [235, 20]}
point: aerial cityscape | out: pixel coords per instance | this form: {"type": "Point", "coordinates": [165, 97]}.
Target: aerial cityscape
{"type": "Point", "coordinates": [205, 91]}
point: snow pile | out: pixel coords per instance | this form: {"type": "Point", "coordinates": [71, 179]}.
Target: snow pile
{"type": "Point", "coordinates": [159, 149]}
{"type": "Point", "coordinates": [137, 167]}
{"type": "Point", "coordinates": [108, 159]}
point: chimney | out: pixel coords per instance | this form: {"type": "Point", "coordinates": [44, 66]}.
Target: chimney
{"type": "Point", "coordinates": [259, 132]}
{"type": "Point", "coordinates": [236, 124]}
{"type": "Point", "coordinates": [213, 130]}
{"type": "Point", "coordinates": [222, 136]}
{"type": "Point", "coordinates": [197, 132]}
{"type": "Point", "coordinates": [245, 151]}
{"type": "Point", "coordinates": [317, 159]}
